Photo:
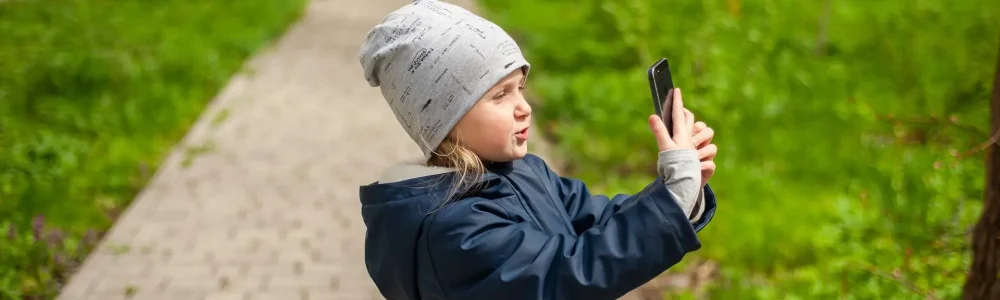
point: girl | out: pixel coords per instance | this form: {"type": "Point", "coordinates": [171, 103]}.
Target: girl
{"type": "Point", "coordinates": [478, 217]}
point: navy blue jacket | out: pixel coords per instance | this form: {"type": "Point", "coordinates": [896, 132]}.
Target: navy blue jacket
{"type": "Point", "coordinates": [527, 233]}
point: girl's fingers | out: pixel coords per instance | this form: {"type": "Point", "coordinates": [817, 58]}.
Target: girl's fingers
{"type": "Point", "coordinates": [708, 153]}
{"type": "Point", "coordinates": [684, 125]}
{"type": "Point", "coordinates": [698, 127]}
{"type": "Point", "coordinates": [690, 118]}
{"type": "Point", "coordinates": [663, 141]}
{"type": "Point", "coordinates": [678, 111]}
{"type": "Point", "coordinates": [707, 170]}
{"type": "Point", "coordinates": [708, 166]}
{"type": "Point", "coordinates": [703, 136]}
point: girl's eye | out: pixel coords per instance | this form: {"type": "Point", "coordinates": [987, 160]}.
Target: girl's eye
{"type": "Point", "coordinates": [499, 96]}
{"type": "Point", "coordinates": [504, 94]}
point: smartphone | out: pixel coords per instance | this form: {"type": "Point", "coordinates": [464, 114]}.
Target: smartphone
{"type": "Point", "coordinates": [661, 85]}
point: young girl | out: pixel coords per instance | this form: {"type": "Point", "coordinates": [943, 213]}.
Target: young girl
{"type": "Point", "coordinates": [478, 217]}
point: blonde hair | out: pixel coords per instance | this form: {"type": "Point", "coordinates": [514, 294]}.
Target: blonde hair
{"type": "Point", "coordinates": [469, 169]}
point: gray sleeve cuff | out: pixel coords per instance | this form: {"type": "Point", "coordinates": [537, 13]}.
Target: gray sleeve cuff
{"type": "Point", "coordinates": [699, 208]}
{"type": "Point", "coordinates": [681, 172]}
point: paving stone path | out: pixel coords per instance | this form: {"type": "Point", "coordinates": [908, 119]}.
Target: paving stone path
{"type": "Point", "coordinates": [260, 200]}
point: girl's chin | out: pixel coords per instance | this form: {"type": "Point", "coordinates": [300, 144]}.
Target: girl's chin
{"type": "Point", "coordinates": [520, 150]}
{"type": "Point", "coordinates": [514, 152]}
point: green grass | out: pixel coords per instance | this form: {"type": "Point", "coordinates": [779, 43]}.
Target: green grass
{"type": "Point", "coordinates": [93, 94]}
{"type": "Point", "coordinates": [837, 128]}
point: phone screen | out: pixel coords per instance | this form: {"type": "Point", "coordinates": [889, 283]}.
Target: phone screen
{"type": "Point", "coordinates": [661, 86]}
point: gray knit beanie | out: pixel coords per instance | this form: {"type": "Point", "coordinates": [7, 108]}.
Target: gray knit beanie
{"type": "Point", "coordinates": [433, 61]}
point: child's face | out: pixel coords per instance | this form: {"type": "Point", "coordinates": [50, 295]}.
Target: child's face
{"type": "Point", "coordinates": [496, 128]}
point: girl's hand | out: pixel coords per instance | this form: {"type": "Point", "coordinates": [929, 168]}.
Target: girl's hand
{"type": "Point", "coordinates": [706, 150]}
{"type": "Point", "coordinates": [683, 127]}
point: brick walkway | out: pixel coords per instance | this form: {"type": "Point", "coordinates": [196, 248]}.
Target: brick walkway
{"type": "Point", "coordinates": [260, 201]}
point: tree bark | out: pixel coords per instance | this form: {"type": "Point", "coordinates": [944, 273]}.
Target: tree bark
{"type": "Point", "coordinates": [984, 273]}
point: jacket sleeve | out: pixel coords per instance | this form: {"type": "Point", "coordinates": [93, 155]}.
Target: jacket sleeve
{"type": "Point", "coordinates": [479, 251]}
{"type": "Point", "coordinates": [587, 210]}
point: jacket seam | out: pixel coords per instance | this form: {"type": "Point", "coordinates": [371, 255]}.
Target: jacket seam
{"type": "Point", "coordinates": [546, 186]}
{"type": "Point", "coordinates": [553, 196]}
{"type": "Point", "coordinates": [430, 256]}
{"type": "Point", "coordinates": [523, 202]}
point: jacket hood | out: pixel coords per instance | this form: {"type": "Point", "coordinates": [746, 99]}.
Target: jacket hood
{"type": "Point", "coordinates": [393, 209]}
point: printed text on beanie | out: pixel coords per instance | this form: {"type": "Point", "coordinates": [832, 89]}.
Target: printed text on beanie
{"type": "Point", "coordinates": [432, 61]}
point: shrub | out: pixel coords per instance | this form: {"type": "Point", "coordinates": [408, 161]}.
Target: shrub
{"type": "Point", "coordinates": [847, 129]}
{"type": "Point", "coordinates": [92, 96]}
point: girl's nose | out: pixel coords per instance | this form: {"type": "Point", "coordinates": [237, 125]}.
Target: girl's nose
{"type": "Point", "coordinates": [523, 109]}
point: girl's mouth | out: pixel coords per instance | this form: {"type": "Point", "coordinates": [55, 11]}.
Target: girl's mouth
{"type": "Point", "coordinates": [522, 135]}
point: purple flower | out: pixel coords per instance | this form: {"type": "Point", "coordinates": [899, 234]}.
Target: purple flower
{"type": "Point", "coordinates": [37, 225]}
{"type": "Point", "coordinates": [55, 238]}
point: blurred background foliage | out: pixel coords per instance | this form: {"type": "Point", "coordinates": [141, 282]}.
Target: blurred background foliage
{"type": "Point", "coordinates": [93, 94]}
{"type": "Point", "coordinates": [849, 131]}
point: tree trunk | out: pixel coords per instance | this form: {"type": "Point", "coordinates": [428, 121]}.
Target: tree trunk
{"type": "Point", "coordinates": [984, 274]}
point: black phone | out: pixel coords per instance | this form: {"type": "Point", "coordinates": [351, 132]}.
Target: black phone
{"type": "Point", "coordinates": [661, 85]}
